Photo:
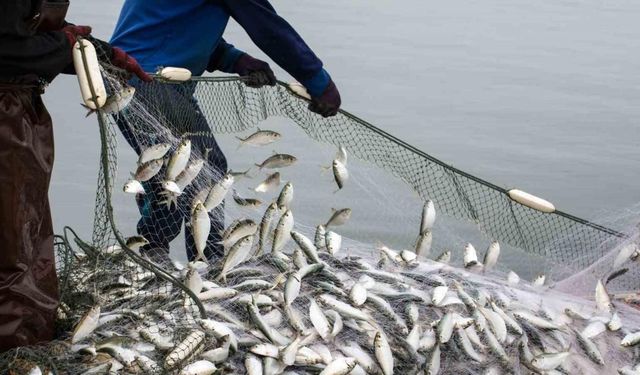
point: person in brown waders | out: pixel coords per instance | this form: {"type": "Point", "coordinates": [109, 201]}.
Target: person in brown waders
{"type": "Point", "coordinates": [35, 46]}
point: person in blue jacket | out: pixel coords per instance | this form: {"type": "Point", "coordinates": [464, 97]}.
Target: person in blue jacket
{"type": "Point", "coordinates": [188, 34]}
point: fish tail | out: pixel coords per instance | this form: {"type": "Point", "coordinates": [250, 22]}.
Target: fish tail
{"type": "Point", "coordinates": [90, 111]}
{"type": "Point", "coordinates": [324, 169]}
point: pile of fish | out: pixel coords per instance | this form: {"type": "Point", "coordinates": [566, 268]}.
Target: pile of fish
{"type": "Point", "coordinates": [283, 301]}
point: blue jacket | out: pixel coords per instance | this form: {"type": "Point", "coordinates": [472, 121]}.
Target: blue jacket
{"type": "Point", "coordinates": [188, 34]}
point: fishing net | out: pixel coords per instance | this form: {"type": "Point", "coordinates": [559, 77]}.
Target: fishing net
{"type": "Point", "coordinates": [153, 309]}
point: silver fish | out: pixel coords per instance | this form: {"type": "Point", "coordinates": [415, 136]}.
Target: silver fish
{"type": "Point", "coordinates": [218, 192]}
{"type": "Point", "coordinates": [277, 161]}
{"type": "Point", "coordinates": [178, 160]}
{"type": "Point", "coordinates": [201, 227]}
{"type": "Point", "coordinates": [259, 138]}
{"type": "Point", "coordinates": [333, 242]}
{"type": "Point", "coordinates": [428, 216]}
{"type": "Point", "coordinates": [87, 324]}
{"type": "Point", "coordinates": [157, 151]}
{"type": "Point", "coordinates": [285, 197]}
{"type": "Point", "coordinates": [383, 353]}
{"type": "Point", "coordinates": [283, 231]}
{"type": "Point", "coordinates": [116, 102]}
{"type": "Point", "coordinates": [272, 181]}
{"type": "Point", "coordinates": [340, 173]}
{"type": "Point", "coordinates": [339, 217]}
{"type": "Point", "coordinates": [238, 229]}
{"type": "Point", "coordinates": [265, 226]}
{"type": "Point", "coordinates": [491, 256]}
{"type": "Point", "coordinates": [148, 170]}
{"type": "Point", "coordinates": [236, 255]}
{"type": "Point", "coordinates": [470, 256]}
{"type": "Point", "coordinates": [423, 245]}
{"type": "Point", "coordinates": [133, 187]}
{"type": "Point", "coordinates": [246, 202]}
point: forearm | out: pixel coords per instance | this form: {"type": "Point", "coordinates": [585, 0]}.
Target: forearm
{"type": "Point", "coordinates": [43, 54]}
{"type": "Point", "coordinates": [276, 37]}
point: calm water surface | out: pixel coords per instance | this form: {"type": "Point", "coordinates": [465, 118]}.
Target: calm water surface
{"type": "Point", "coordinates": [541, 96]}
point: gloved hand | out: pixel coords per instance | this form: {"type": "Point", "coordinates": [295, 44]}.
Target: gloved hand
{"type": "Point", "coordinates": [72, 32]}
{"type": "Point", "coordinates": [328, 103]}
{"type": "Point", "coordinates": [257, 71]}
{"type": "Point", "coordinates": [122, 60]}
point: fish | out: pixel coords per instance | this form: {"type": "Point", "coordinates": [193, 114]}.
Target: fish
{"type": "Point", "coordinates": [246, 202]}
{"type": "Point", "coordinates": [470, 256]}
{"type": "Point", "coordinates": [148, 170]}
{"type": "Point", "coordinates": [603, 301]}
{"type": "Point", "coordinates": [282, 232]}
{"type": "Point", "coordinates": [625, 254]}
{"type": "Point", "coordinates": [491, 256]}
{"type": "Point", "coordinates": [115, 103]}
{"type": "Point", "coordinates": [155, 152]}
{"type": "Point", "coordinates": [339, 217]}
{"type": "Point", "coordinates": [272, 181]}
{"type": "Point", "coordinates": [383, 353]}
{"type": "Point", "coordinates": [428, 217]}
{"type": "Point", "coordinates": [238, 229]}
{"type": "Point", "coordinates": [265, 226]}
{"type": "Point", "coordinates": [87, 324]}
{"type": "Point", "coordinates": [186, 177]}
{"type": "Point", "coordinates": [178, 160]}
{"type": "Point", "coordinates": [285, 197]}
{"type": "Point", "coordinates": [340, 173]}
{"type": "Point", "coordinates": [333, 242]}
{"type": "Point", "coordinates": [341, 155]}
{"type": "Point", "coordinates": [201, 228]}
{"type": "Point", "coordinates": [276, 161]}
{"type": "Point", "coordinates": [259, 138]}
{"type": "Point", "coordinates": [340, 366]}
{"type": "Point", "coordinates": [423, 245]}
{"type": "Point", "coordinates": [218, 192]}
{"type": "Point", "coordinates": [201, 367]}
{"type": "Point", "coordinates": [445, 257]}
{"type": "Point", "coordinates": [136, 242]}
{"type": "Point", "coordinates": [549, 361]}
{"type": "Point", "coordinates": [133, 187]}
{"type": "Point", "coordinates": [238, 253]}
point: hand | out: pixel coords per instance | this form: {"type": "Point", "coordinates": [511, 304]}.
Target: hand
{"type": "Point", "coordinates": [257, 71]}
{"type": "Point", "coordinates": [328, 103]}
{"type": "Point", "coordinates": [122, 60]}
{"type": "Point", "coordinates": [72, 32]}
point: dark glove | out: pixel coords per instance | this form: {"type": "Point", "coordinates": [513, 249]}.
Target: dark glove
{"type": "Point", "coordinates": [122, 60]}
{"type": "Point", "coordinates": [258, 72]}
{"type": "Point", "coordinates": [328, 103]}
{"type": "Point", "coordinates": [72, 32]}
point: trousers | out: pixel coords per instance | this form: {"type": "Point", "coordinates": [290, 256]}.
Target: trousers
{"type": "Point", "coordinates": [28, 282]}
{"type": "Point", "coordinates": [177, 110]}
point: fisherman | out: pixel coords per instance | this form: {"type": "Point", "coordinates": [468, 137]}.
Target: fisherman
{"type": "Point", "coordinates": [35, 46]}
{"type": "Point", "coordinates": [188, 34]}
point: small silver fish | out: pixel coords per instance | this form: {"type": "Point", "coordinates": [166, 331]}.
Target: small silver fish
{"type": "Point", "coordinates": [260, 138]}
{"type": "Point", "coordinates": [218, 192]}
{"type": "Point", "coordinates": [340, 173]}
{"type": "Point", "coordinates": [178, 160]}
{"type": "Point", "coordinates": [133, 187]}
{"type": "Point", "coordinates": [278, 161]}
{"type": "Point", "coordinates": [285, 197]}
{"type": "Point", "coordinates": [491, 256]}
{"type": "Point", "coordinates": [272, 181]}
{"type": "Point", "coordinates": [157, 151]}
{"type": "Point", "coordinates": [148, 170]}
{"type": "Point", "coordinates": [246, 202]}
{"type": "Point", "coordinates": [116, 102]}
{"type": "Point", "coordinates": [201, 227]}
{"type": "Point", "coordinates": [339, 217]}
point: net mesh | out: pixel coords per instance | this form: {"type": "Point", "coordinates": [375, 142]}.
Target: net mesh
{"type": "Point", "coordinates": [128, 308]}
